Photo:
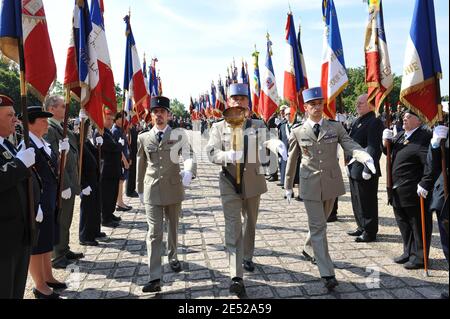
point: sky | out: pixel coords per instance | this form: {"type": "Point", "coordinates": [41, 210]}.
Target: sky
{"type": "Point", "coordinates": [196, 40]}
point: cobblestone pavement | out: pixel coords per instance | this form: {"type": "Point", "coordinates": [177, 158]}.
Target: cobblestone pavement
{"type": "Point", "coordinates": [117, 268]}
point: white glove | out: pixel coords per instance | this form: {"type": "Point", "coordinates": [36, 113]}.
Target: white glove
{"type": "Point", "coordinates": [388, 135]}
{"type": "Point", "coordinates": [440, 132]}
{"type": "Point", "coordinates": [99, 140]}
{"type": "Point", "coordinates": [234, 156]}
{"type": "Point", "coordinates": [27, 157]}
{"type": "Point", "coordinates": [40, 215]}
{"type": "Point", "coordinates": [371, 165]}
{"type": "Point", "coordinates": [87, 191]}
{"type": "Point", "coordinates": [366, 176]}
{"type": "Point", "coordinates": [289, 193]}
{"type": "Point", "coordinates": [187, 178]}
{"type": "Point", "coordinates": [141, 198]}
{"type": "Point", "coordinates": [66, 194]}
{"type": "Point", "coordinates": [64, 145]}
{"type": "Point", "coordinates": [283, 151]}
{"type": "Point", "coordinates": [122, 141]}
{"type": "Point", "coordinates": [422, 192]}
{"type": "Point", "coordinates": [83, 115]}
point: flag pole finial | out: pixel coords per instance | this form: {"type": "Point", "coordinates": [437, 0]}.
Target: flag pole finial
{"type": "Point", "coordinates": [290, 9]}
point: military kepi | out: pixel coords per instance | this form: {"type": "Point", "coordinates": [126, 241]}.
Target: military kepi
{"type": "Point", "coordinates": [312, 94]}
{"type": "Point", "coordinates": [160, 102]}
{"type": "Point", "coordinates": [239, 89]}
{"type": "Point", "coordinates": [36, 112]}
{"type": "Point", "coordinates": [5, 101]}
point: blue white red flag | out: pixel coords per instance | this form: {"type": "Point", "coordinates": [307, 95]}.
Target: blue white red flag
{"type": "Point", "coordinates": [269, 92]}
{"type": "Point", "coordinates": [334, 74]}
{"type": "Point", "coordinates": [82, 73]}
{"type": "Point", "coordinates": [256, 84]}
{"type": "Point", "coordinates": [422, 66]}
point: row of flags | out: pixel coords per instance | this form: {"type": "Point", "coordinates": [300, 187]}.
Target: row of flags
{"type": "Point", "coordinates": [90, 79]}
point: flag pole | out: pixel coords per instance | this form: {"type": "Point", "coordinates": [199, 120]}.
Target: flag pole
{"type": "Point", "coordinates": [388, 153]}
{"type": "Point", "coordinates": [442, 146]}
{"type": "Point", "coordinates": [26, 136]}
{"type": "Point", "coordinates": [80, 160]}
{"type": "Point", "coordinates": [424, 240]}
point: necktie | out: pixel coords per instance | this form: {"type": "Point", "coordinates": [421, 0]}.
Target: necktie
{"type": "Point", "coordinates": [10, 147]}
{"type": "Point", "coordinates": [317, 130]}
{"type": "Point", "coordinates": [160, 136]}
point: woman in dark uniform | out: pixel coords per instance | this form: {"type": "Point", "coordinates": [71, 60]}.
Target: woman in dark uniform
{"type": "Point", "coordinates": [47, 167]}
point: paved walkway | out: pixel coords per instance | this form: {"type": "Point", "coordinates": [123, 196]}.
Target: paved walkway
{"type": "Point", "coordinates": [118, 268]}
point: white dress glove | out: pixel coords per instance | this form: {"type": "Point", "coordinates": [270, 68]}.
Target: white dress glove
{"type": "Point", "coordinates": [83, 115]}
{"type": "Point", "coordinates": [99, 140]}
{"type": "Point", "coordinates": [66, 194]}
{"type": "Point", "coordinates": [40, 215]}
{"type": "Point", "coordinates": [283, 151]}
{"type": "Point", "coordinates": [87, 191]}
{"type": "Point", "coordinates": [366, 176]}
{"type": "Point", "coordinates": [27, 157]}
{"type": "Point", "coordinates": [371, 165]}
{"type": "Point", "coordinates": [141, 198]}
{"type": "Point", "coordinates": [122, 141]}
{"type": "Point", "coordinates": [289, 193]}
{"type": "Point", "coordinates": [187, 178]}
{"type": "Point", "coordinates": [388, 135]}
{"type": "Point", "coordinates": [422, 192]}
{"type": "Point", "coordinates": [64, 145]}
{"type": "Point", "coordinates": [234, 156]}
{"type": "Point", "coordinates": [439, 133]}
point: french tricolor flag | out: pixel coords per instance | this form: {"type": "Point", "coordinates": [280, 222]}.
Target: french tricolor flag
{"type": "Point", "coordinates": [82, 72]}
{"type": "Point", "coordinates": [269, 92]}
{"type": "Point", "coordinates": [134, 86]}
{"type": "Point", "coordinates": [103, 59]}
{"type": "Point", "coordinates": [295, 80]}
{"type": "Point", "coordinates": [334, 74]}
{"type": "Point", "coordinates": [422, 66]}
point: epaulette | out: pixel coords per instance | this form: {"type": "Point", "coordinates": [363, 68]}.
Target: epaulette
{"type": "Point", "coordinates": [333, 121]}
{"type": "Point", "coordinates": [144, 131]}
{"type": "Point", "coordinates": [296, 125]}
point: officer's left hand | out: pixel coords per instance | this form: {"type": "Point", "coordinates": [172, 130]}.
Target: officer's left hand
{"type": "Point", "coordinates": [66, 194]}
{"type": "Point", "coordinates": [122, 141]}
{"type": "Point", "coordinates": [40, 215]}
{"type": "Point", "coordinates": [187, 178]}
{"type": "Point", "coordinates": [87, 191]}
{"type": "Point", "coordinates": [64, 145]}
{"type": "Point", "coordinates": [283, 151]}
{"type": "Point", "coordinates": [83, 115]}
{"type": "Point", "coordinates": [422, 192]}
{"type": "Point", "coordinates": [366, 176]}
{"type": "Point", "coordinates": [371, 165]}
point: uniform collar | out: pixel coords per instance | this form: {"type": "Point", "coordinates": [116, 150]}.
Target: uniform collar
{"type": "Point", "coordinates": [410, 133]}
{"type": "Point", "coordinates": [1, 140]}
{"type": "Point", "coordinates": [41, 143]}
{"type": "Point", "coordinates": [312, 123]}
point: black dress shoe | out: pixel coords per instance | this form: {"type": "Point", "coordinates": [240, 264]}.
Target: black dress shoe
{"type": "Point", "coordinates": [330, 282]}
{"type": "Point", "coordinates": [133, 195]}
{"type": "Point", "coordinates": [88, 243]}
{"type": "Point", "coordinates": [355, 233]}
{"type": "Point", "coordinates": [61, 263]}
{"type": "Point", "coordinates": [410, 266]}
{"type": "Point", "coordinates": [175, 265]}
{"type": "Point", "coordinates": [273, 179]}
{"type": "Point", "coordinates": [111, 224]}
{"type": "Point", "coordinates": [57, 285]}
{"type": "Point", "coordinates": [152, 286]}
{"type": "Point", "coordinates": [74, 256]}
{"type": "Point", "coordinates": [401, 259]}
{"type": "Point", "coordinates": [280, 184]}
{"type": "Point", "coordinates": [249, 265]}
{"type": "Point", "coordinates": [444, 295]}
{"type": "Point", "coordinates": [309, 258]}
{"type": "Point", "coordinates": [333, 218]}
{"type": "Point", "coordinates": [116, 218]}
{"type": "Point", "coordinates": [365, 238]}
{"type": "Point", "coordinates": [123, 209]}
{"type": "Point", "coordinates": [237, 287]}
{"type": "Point", "coordinates": [292, 196]}
{"type": "Point", "coordinates": [299, 199]}
{"type": "Point", "coordinates": [39, 295]}
{"type": "Point", "coordinates": [101, 235]}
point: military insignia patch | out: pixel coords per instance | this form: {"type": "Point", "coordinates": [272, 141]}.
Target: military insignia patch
{"type": "Point", "coordinates": [7, 155]}
{"type": "Point", "coordinates": [406, 142]}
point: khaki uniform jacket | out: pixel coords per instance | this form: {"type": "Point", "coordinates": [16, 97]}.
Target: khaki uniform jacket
{"type": "Point", "coordinates": [158, 177]}
{"type": "Point", "coordinates": [54, 135]}
{"type": "Point", "coordinates": [220, 141]}
{"type": "Point", "coordinates": [320, 173]}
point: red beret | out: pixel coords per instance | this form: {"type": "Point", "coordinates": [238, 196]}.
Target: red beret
{"type": "Point", "coordinates": [5, 101]}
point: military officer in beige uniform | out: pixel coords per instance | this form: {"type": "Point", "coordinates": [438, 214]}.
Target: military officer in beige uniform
{"type": "Point", "coordinates": [240, 194]}
{"type": "Point", "coordinates": [160, 185]}
{"type": "Point", "coordinates": [316, 141]}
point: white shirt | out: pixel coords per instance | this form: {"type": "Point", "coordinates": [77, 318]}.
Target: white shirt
{"type": "Point", "coordinates": [41, 143]}
{"type": "Point", "coordinates": [312, 123]}
{"type": "Point", "coordinates": [409, 133]}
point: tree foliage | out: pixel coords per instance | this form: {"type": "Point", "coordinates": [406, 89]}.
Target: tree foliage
{"type": "Point", "coordinates": [178, 109]}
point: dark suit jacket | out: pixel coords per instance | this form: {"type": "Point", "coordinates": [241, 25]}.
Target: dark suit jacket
{"type": "Point", "coordinates": [367, 131]}
{"type": "Point", "coordinates": [111, 167]}
{"type": "Point", "coordinates": [408, 163]}
{"type": "Point", "coordinates": [282, 134]}
{"type": "Point", "coordinates": [433, 179]}
{"type": "Point", "coordinates": [89, 175]}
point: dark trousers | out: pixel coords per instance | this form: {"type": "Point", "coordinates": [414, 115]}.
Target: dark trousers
{"type": "Point", "coordinates": [365, 204]}
{"type": "Point", "coordinates": [110, 190]}
{"type": "Point", "coordinates": [13, 274]}
{"type": "Point", "coordinates": [410, 225]}
{"type": "Point", "coordinates": [444, 236]}
{"type": "Point", "coordinates": [131, 181]}
{"type": "Point", "coordinates": [90, 216]}
{"type": "Point", "coordinates": [282, 170]}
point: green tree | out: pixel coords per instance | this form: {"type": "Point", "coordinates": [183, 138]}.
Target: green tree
{"type": "Point", "coordinates": [178, 109]}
